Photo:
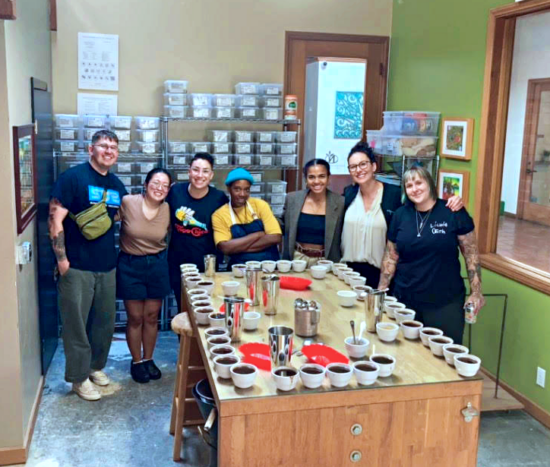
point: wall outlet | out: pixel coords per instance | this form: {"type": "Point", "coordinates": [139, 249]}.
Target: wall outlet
{"type": "Point", "coordinates": [541, 376]}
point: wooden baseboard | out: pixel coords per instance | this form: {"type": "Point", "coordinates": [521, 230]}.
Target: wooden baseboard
{"type": "Point", "coordinates": [535, 410]}
{"type": "Point", "coordinates": [19, 455]}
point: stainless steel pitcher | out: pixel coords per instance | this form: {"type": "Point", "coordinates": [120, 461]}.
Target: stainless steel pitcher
{"type": "Point", "coordinates": [234, 314]}
{"type": "Point", "coordinates": [253, 287]}
{"type": "Point", "coordinates": [281, 339]}
{"type": "Point", "coordinates": [209, 265]}
{"type": "Point", "coordinates": [271, 285]}
{"type": "Point", "coordinates": [374, 306]}
{"type": "Point", "coordinates": [307, 315]}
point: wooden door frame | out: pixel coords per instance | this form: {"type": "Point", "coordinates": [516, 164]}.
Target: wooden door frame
{"type": "Point", "coordinates": [496, 90]}
{"type": "Point", "coordinates": [529, 141]}
{"type": "Point", "coordinates": [379, 102]}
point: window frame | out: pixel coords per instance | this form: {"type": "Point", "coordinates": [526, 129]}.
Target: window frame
{"type": "Point", "coordinates": [496, 91]}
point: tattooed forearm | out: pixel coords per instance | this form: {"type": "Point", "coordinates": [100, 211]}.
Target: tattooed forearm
{"type": "Point", "coordinates": [389, 265]}
{"type": "Point", "coordinates": [468, 246]}
{"type": "Point", "coordinates": [58, 245]}
{"type": "Point", "coordinates": [55, 226]}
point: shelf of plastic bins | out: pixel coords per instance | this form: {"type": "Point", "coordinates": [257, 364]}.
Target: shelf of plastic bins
{"type": "Point", "coordinates": [236, 120]}
{"type": "Point", "coordinates": [231, 167]}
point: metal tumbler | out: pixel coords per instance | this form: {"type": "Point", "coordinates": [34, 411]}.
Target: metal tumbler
{"type": "Point", "coordinates": [270, 293]}
{"type": "Point", "coordinates": [209, 265]}
{"type": "Point", "coordinates": [234, 313]}
{"type": "Point", "coordinates": [253, 287]}
{"type": "Point", "coordinates": [374, 306]}
{"type": "Point", "coordinates": [281, 339]}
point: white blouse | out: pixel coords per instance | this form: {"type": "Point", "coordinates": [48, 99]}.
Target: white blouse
{"type": "Point", "coordinates": [364, 233]}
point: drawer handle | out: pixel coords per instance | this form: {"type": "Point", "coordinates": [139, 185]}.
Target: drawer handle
{"type": "Point", "coordinates": [355, 456]}
{"type": "Point", "coordinates": [356, 429]}
{"type": "Point", "coordinates": [469, 413]}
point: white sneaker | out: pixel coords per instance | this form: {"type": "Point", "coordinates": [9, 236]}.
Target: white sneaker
{"type": "Point", "coordinates": [86, 391]}
{"type": "Point", "coordinates": [99, 378]}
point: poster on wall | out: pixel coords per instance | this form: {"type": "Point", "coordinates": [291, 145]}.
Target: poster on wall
{"type": "Point", "coordinates": [98, 61]}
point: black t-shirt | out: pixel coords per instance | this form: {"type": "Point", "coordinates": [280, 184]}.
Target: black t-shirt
{"type": "Point", "coordinates": [191, 221]}
{"type": "Point", "coordinates": [77, 189]}
{"type": "Point", "coordinates": [429, 269]}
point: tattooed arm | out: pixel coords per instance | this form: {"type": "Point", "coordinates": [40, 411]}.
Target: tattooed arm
{"type": "Point", "coordinates": [57, 234]}
{"type": "Point", "coordinates": [468, 246]}
{"type": "Point", "coordinates": [389, 265]}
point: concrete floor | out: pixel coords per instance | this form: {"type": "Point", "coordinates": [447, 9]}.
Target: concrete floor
{"type": "Point", "coordinates": [129, 426]}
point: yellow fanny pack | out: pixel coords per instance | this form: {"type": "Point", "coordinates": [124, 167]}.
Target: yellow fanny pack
{"type": "Point", "coordinates": [94, 221]}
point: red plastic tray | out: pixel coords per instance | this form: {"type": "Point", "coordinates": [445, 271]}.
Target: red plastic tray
{"type": "Point", "coordinates": [323, 354]}
{"type": "Point", "coordinates": [256, 353]}
{"type": "Point", "coordinates": [294, 283]}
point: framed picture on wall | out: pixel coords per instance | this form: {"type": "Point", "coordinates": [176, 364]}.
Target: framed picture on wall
{"type": "Point", "coordinates": [457, 138]}
{"type": "Point", "coordinates": [25, 175]}
{"type": "Point", "coordinates": [454, 182]}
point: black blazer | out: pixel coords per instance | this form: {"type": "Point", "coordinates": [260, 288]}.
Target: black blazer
{"type": "Point", "coordinates": [334, 220]}
{"type": "Point", "coordinates": [391, 199]}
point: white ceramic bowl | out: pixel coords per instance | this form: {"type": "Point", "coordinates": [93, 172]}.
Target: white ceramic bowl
{"type": "Point", "coordinates": [346, 297]}
{"type": "Point", "coordinates": [450, 355]}
{"type": "Point", "coordinates": [223, 369]}
{"type": "Point", "coordinates": [191, 282]}
{"type": "Point", "coordinates": [387, 332]}
{"type": "Point", "coordinates": [389, 298]}
{"type": "Point", "coordinates": [335, 266]}
{"type": "Point", "coordinates": [436, 344]}
{"type": "Point", "coordinates": [201, 302]}
{"type": "Point", "coordinates": [190, 269]}
{"type": "Point", "coordinates": [299, 265]}
{"type": "Point", "coordinates": [238, 270]}
{"type": "Point", "coordinates": [426, 333]}
{"type": "Point", "coordinates": [391, 307]}
{"type": "Point", "coordinates": [366, 372]}
{"type": "Point", "coordinates": [411, 329]}
{"type": "Point", "coordinates": [326, 263]}
{"type": "Point", "coordinates": [357, 280]}
{"type": "Point", "coordinates": [358, 350]}
{"type": "Point", "coordinates": [341, 271]}
{"type": "Point", "coordinates": [318, 272]}
{"type": "Point", "coordinates": [312, 380]}
{"type": "Point", "coordinates": [243, 380]}
{"type": "Point", "coordinates": [404, 314]}
{"type": "Point", "coordinates": [201, 314]}
{"type": "Point", "coordinates": [360, 290]}
{"type": "Point", "coordinates": [286, 378]}
{"type": "Point", "coordinates": [230, 288]}
{"type": "Point", "coordinates": [206, 285]}
{"type": "Point", "coordinates": [187, 265]}
{"type": "Point", "coordinates": [216, 319]}
{"type": "Point", "coordinates": [269, 266]}
{"type": "Point", "coordinates": [337, 379]}
{"type": "Point", "coordinates": [467, 369]}
{"type": "Point", "coordinates": [284, 265]}
{"type": "Point", "coordinates": [191, 274]}
{"type": "Point", "coordinates": [253, 264]}
{"type": "Point", "coordinates": [251, 320]}
{"type": "Point", "coordinates": [215, 351]}
{"type": "Point", "coordinates": [218, 340]}
{"type": "Point", "coordinates": [386, 369]}
{"type": "Point", "coordinates": [348, 275]}
{"type": "Point", "coordinates": [197, 295]}
{"type": "Point", "coordinates": [216, 332]}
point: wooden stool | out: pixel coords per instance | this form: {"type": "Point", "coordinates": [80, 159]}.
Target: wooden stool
{"type": "Point", "coordinates": [189, 371]}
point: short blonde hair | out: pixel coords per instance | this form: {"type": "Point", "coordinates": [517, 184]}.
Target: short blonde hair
{"type": "Point", "coordinates": [422, 173]}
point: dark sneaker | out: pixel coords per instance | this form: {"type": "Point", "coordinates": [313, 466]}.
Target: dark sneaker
{"type": "Point", "coordinates": [139, 372]}
{"type": "Point", "coordinates": [154, 372]}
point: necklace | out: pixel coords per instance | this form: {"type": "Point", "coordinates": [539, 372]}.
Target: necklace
{"type": "Point", "coordinates": [423, 221]}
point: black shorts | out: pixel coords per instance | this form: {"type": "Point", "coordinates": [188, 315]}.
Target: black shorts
{"type": "Point", "coordinates": [142, 277]}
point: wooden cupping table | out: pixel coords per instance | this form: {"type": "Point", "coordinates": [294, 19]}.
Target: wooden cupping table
{"type": "Point", "coordinates": [412, 418]}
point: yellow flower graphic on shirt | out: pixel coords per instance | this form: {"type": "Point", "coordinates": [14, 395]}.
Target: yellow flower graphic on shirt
{"type": "Point", "coordinates": [186, 216]}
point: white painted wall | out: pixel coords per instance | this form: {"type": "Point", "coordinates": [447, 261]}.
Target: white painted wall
{"type": "Point", "coordinates": [531, 61]}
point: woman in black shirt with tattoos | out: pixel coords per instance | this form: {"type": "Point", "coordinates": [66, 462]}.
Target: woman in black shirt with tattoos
{"type": "Point", "coordinates": [422, 254]}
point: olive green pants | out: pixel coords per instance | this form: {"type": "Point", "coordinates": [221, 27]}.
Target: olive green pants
{"type": "Point", "coordinates": [87, 308]}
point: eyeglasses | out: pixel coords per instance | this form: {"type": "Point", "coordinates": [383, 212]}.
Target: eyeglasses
{"type": "Point", "coordinates": [107, 146]}
{"type": "Point", "coordinates": [362, 165]}
{"type": "Point", "coordinates": [162, 186]}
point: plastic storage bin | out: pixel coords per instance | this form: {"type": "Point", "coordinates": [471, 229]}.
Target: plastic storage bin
{"type": "Point", "coordinates": [200, 146]}
{"type": "Point", "coordinates": [175, 111]}
{"type": "Point", "coordinates": [249, 112]}
{"type": "Point", "coordinates": [286, 148]}
{"type": "Point", "coordinates": [244, 148]}
{"type": "Point", "coordinates": [258, 187]}
{"type": "Point", "coordinates": [223, 112]}
{"type": "Point", "coordinates": [247, 88]}
{"type": "Point", "coordinates": [265, 160]}
{"type": "Point", "coordinates": [202, 111]}
{"type": "Point", "coordinates": [286, 136]}
{"type": "Point", "coordinates": [95, 121]}
{"type": "Point", "coordinates": [67, 146]}
{"type": "Point", "coordinates": [124, 135]}
{"type": "Point", "coordinates": [175, 99]}
{"type": "Point", "coordinates": [181, 176]}
{"type": "Point", "coordinates": [222, 148]}
{"type": "Point", "coordinates": [224, 100]}
{"type": "Point", "coordinates": [244, 136]}
{"type": "Point", "coordinates": [122, 122]}
{"type": "Point", "coordinates": [278, 198]}
{"type": "Point", "coordinates": [278, 210]}
{"type": "Point", "coordinates": [271, 101]}
{"type": "Point", "coordinates": [125, 179]}
{"type": "Point", "coordinates": [374, 140]}
{"type": "Point", "coordinates": [223, 159]}
{"type": "Point", "coordinates": [67, 121]}
{"type": "Point", "coordinates": [179, 160]}
{"type": "Point", "coordinates": [276, 187]}
{"type": "Point", "coordinates": [124, 167]}
{"type": "Point", "coordinates": [147, 123]}
{"type": "Point", "coordinates": [248, 101]}
{"type": "Point", "coordinates": [411, 123]}
{"type": "Point", "coordinates": [178, 147]}
{"type": "Point", "coordinates": [124, 146]}
{"type": "Point", "coordinates": [148, 136]}
{"type": "Point", "coordinates": [265, 148]}
{"type": "Point", "coordinates": [269, 113]}
{"type": "Point", "coordinates": [146, 167]}
{"type": "Point", "coordinates": [88, 133]}
{"type": "Point", "coordinates": [244, 159]}
{"type": "Point", "coordinates": [287, 160]}
{"type": "Point", "coordinates": [265, 136]}
{"type": "Point", "coordinates": [419, 146]}
{"type": "Point", "coordinates": [148, 148]}
{"type": "Point", "coordinates": [220, 136]}
{"type": "Point", "coordinates": [200, 99]}
{"type": "Point", "coordinates": [257, 195]}
{"type": "Point", "coordinates": [172, 85]}
{"type": "Point", "coordinates": [258, 177]}
{"type": "Point", "coordinates": [271, 89]}
{"type": "Point", "coordinates": [68, 133]}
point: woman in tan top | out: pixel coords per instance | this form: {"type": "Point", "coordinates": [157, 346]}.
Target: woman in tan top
{"type": "Point", "coordinates": [142, 270]}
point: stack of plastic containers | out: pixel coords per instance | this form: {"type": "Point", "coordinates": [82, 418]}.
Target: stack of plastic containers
{"type": "Point", "coordinates": [221, 146]}
{"type": "Point", "coordinates": [223, 105]}
{"type": "Point", "coordinates": [122, 127]}
{"type": "Point", "coordinates": [276, 196]}
{"type": "Point", "coordinates": [68, 133]}
{"type": "Point", "coordinates": [147, 135]}
{"type": "Point", "coordinates": [259, 101]}
{"type": "Point", "coordinates": [271, 101]}
{"type": "Point", "coordinates": [175, 98]}
{"type": "Point", "coordinates": [200, 105]}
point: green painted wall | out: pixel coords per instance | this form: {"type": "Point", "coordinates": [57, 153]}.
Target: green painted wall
{"type": "Point", "coordinates": [437, 61]}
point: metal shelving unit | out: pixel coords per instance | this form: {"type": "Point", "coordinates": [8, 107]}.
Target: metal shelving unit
{"type": "Point", "coordinates": [405, 162]}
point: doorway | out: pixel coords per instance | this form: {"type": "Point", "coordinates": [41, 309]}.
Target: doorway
{"type": "Point", "coordinates": [371, 52]}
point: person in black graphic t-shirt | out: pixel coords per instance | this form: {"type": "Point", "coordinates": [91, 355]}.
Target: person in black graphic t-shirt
{"type": "Point", "coordinates": [86, 267]}
{"type": "Point", "coordinates": [191, 208]}
{"type": "Point", "coordinates": [422, 253]}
